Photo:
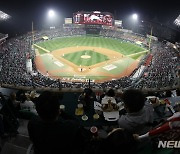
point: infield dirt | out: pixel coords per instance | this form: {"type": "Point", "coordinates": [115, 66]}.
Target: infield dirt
{"type": "Point", "coordinates": [112, 55]}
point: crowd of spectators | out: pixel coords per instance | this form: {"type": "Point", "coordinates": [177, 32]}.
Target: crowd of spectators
{"type": "Point", "coordinates": [161, 71]}
{"type": "Point", "coordinates": [124, 36]}
{"type": "Point", "coordinates": [52, 130]}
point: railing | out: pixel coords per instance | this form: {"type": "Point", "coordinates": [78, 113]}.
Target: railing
{"type": "Point", "coordinates": [81, 89]}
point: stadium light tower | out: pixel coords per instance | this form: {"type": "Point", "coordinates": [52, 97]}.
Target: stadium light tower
{"type": "Point", "coordinates": [134, 22]}
{"type": "Point", "coordinates": [135, 16]}
{"type": "Point", "coordinates": [51, 18]}
{"type": "Point", "coordinates": [51, 13]}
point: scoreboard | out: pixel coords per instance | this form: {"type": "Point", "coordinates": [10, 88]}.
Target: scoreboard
{"type": "Point", "coordinates": [94, 17]}
{"type": "Point", "coordinates": [68, 20]}
{"type": "Point", "coordinates": [118, 23]}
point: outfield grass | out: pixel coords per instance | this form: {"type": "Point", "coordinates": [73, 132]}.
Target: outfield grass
{"type": "Point", "coordinates": [41, 51]}
{"type": "Point", "coordinates": [94, 58]}
{"type": "Point", "coordinates": [136, 56]}
{"type": "Point", "coordinates": [121, 46]}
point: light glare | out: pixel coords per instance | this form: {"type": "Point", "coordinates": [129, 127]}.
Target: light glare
{"type": "Point", "coordinates": [51, 13]}
{"type": "Point", "coordinates": [135, 16]}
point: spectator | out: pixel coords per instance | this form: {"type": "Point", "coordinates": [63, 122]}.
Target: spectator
{"type": "Point", "coordinates": [49, 132]}
{"type": "Point", "coordinates": [9, 121]}
{"type": "Point", "coordinates": [87, 98]}
{"type": "Point", "coordinates": [13, 104]}
{"type": "Point", "coordinates": [20, 95]}
{"type": "Point", "coordinates": [28, 105]}
{"type": "Point", "coordinates": [168, 93]}
{"type": "Point", "coordinates": [2, 131]}
{"type": "Point", "coordinates": [139, 116]}
{"type": "Point", "coordinates": [117, 140]}
{"type": "Point", "coordinates": [110, 93]}
{"type": "Point", "coordinates": [119, 96]}
{"type": "Point", "coordinates": [109, 96]}
{"type": "Point", "coordinates": [108, 102]}
{"type": "Point", "coordinates": [178, 92]}
{"type": "Point", "coordinates": [102, 95]}
{"type": "Point", "coordinates": [125, 142]}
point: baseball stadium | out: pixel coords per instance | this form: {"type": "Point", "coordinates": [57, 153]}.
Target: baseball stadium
{"type": "Point", "coordinates": [91, 49]}
{"type": "Point", "coordinates": [88, 83]}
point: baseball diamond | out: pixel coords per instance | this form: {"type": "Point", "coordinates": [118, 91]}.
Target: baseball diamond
{"type": "Point", "coordinates": [87, 57]}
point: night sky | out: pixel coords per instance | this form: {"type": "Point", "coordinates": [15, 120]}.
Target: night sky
{"type": "Point", "coordinates": [23, 12]}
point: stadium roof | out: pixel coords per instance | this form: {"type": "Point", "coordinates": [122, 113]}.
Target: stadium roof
{"type": "Point", "coordinates": [177, 21]}
{"type": "Point", "coordinates": [4, 16]}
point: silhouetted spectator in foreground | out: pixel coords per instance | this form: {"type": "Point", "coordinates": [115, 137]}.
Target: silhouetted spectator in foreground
{"type": "Point", "coordinates": [9, 116]}
{"type": "Point", "coordinates": [139, 116]}
{"type": "Point", "coordinates": [20, 95]}
{"type": "Point", "coordinates": [118, 140]}
{"type": "Point", "coordinates": [110, 93]}
{"type": "Point", "coordinates": [87, 98]}
{"type": "Point", "coordinates": [50, 133]}
{"type": "Point", "coordinates": [13, 104]}
{"type": "Point", "coordinates": [178, 92]}
{"type": "Point", "coordinates": [102, 95]}
{"type": "Point", "coordinates": [2, 131]}
{"type": "Point", "coordinates": [168, 93]}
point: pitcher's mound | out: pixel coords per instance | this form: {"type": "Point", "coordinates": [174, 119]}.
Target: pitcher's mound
{"type": "Point", "coordinates": [85, 56]}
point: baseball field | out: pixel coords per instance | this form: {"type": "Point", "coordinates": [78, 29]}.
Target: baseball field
{"type": "Point", "coordinates": [79, 58]}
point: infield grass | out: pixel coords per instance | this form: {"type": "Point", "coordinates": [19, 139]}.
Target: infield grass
{"type": "Point", "coordinates": [77, 59]}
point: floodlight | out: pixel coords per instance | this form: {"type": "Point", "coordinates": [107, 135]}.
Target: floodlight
{"type": "Point", "coordinates": [135, 16]}
{"type": "Point", "coordinates": [51, 13]}
{"type": "Point", "coordinates": [4, 16]}
{"type": "Point", "coordinates": [177, 21]}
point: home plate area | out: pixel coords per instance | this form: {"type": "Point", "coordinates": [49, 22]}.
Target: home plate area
{"type": "Point", "coordinates": [109, 67]}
